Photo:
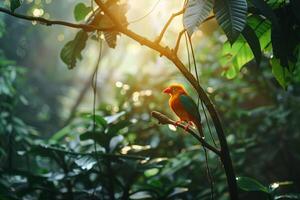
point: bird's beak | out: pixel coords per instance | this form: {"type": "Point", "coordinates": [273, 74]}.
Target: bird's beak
{"type": "Point", "coordinates": [167, 90]}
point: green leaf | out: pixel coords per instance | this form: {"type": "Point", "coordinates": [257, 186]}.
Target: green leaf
{"type": "Point", "coordinates": [141, 195]}
{"type": "Point", "coordinates": [14, 4]}
{"type": "Point", "coordinates": [237, 55]}
{"type": "Point", "coordinates": [86, 162]}
{"type": "Point", "coordinates": [100, 121]}
{"type": "Point", "coordinates": [231, 16]}
{"type": "Point", "coordinates": [71, 52]}
{"type": "Point", "coordinates": [231, 72]}
{"type": "Point", "coordinates": [251, 38]}
{"type": "Point", "coordinates": [251, 185]}
{"type": "Point", "coordinates": [113, 129]}
{"type": "Point", "coordinates": [81, 11]}
{"type": "Point", "coordinates": [291, 196]}
{"type": "Point", "coordinates": [100, 137]}
{"type": "Point", "coordinates": [60, 134]}
{"type": "Point", "coordinates": [177, 191]}
{"type": "Point", "coordinates": [151, 172]}
{"type": "Point", "coordinates": [115, 142]}
{"type": "Point", "coordinates": [112, 118]}
{"type": "Point", "coordinates": [275, 3]}
{"type": "Point", "coordinates": [279, 46]}
{"type": "Point", "coordinates": [279, 72]}
{"type": "Point", "coordinates": [196, 12]}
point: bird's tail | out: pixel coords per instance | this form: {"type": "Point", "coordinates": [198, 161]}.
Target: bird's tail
{"type": "Point", "coordinates": [199, 127]}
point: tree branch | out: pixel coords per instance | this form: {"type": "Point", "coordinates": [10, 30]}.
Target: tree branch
{"type": "Point", "coordinates": [163, 119]}
{"type": "Point", "coordinates": [167, 25]}
{"type": "Point", "coordinates": [178, 41]}
{"type": "Point", "coordinates": [47, 22]}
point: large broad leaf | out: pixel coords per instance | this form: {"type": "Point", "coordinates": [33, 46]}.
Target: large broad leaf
{"type": "Point", "coordinates": [14, 4]}
{"type": "Point", "coordinates": [279, 72]}
{"type": "Point", "coordinates": [251, 38]}
{"type": "Point", "coordinates": [285, 38]}
{"type": "Point", "coordinates": [196, 12]}
{"type": "Point", "coordinates": [81, 11]}
{"type": "Point", "coordinates": [71, 52]}
{"type": "Point", "coordinates": [240, 53]}
{"type": "Point", "coordinates": [251, 185]}
{"type": "Point", "coordinates": [280, 35]}
{"type": "Point", "coordinates": [231, 16]}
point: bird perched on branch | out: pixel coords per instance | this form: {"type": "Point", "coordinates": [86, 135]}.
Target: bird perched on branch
{"type": "Point", "coordinates": [184, 106]}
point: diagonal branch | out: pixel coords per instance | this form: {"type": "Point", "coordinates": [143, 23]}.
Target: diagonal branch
{"type": "Point", "coordinates": [47, 22]}
{"type": "Point", "coordinates": [162, 119]}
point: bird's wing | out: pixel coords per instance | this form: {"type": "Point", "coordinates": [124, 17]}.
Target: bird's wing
{"type": "Point", "coordinates": [190, 106]}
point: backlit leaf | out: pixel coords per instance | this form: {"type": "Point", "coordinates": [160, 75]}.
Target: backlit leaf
{"type": "Point", "coordinates": [251, 185]}
{"type": "Point", "coordinates": [196, 12]}
{"type": "Point", "coordinates": [81, 11]}
{"type": "Point", "coordinates": [231, 16]}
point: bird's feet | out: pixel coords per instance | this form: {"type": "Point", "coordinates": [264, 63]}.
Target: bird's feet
{"type": "Point", "coordinates": [186, 127]}
{"type": "Point", "coordinates": [178, 122]}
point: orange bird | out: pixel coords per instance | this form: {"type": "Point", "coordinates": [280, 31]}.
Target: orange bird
{"type": "Point", "coordinates": [184, 106]}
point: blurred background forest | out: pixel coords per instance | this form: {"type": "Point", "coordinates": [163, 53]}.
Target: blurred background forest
{"type": "Point", "coordinates": [46, 140]}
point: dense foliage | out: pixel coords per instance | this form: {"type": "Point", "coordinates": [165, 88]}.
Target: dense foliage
{"type": "Point", "coordinates": [120, 152]}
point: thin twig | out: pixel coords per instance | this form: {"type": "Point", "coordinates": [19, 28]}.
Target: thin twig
{"type": "Point", "coordinates": [165, 120]}
{"type": "Point", "coordinates": [167, 25]}
{"type": "Point", "coordinates": [178, 40]}
{"type": "Point", "coordinates": [208, 18]}
{"type": "Point", "coordinates": [187, 51]}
